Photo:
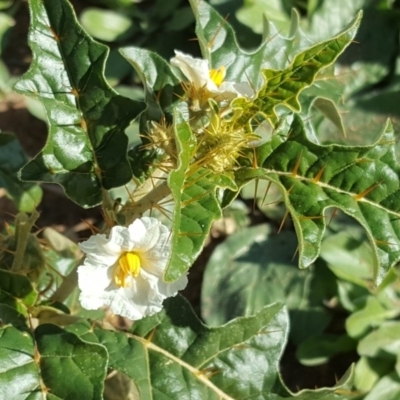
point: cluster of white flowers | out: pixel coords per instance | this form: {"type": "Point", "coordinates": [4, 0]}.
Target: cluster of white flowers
{"type": "Point", "coordinates": [125, 270]}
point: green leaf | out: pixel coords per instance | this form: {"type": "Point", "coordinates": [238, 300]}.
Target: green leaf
{"type": "Point", "coordinates": [282, 87]}
{"type": "Point", "coordinates": [362, 181]}
{"type": "Point", "coordinates": [349, 257]}
{"type": "Point", "coordinates": [328, 108]}
{"type": "Point", "coordinates": [368, 371]}
{"type": "Point", "coordinates": [253, 12]}
{"type": "Point", "coordinates": [54, 365]}
{"type": "Point", "coordinates": [19, 374]}
{"type": "Point", "coordinates": [12, 158]}
{"type": "Point", "coordinates": [106, 25]}
{"type": "Point", "coordinates": [19, 288]}
{"type": "Point", "coordinates": [9, 315]}
{"type": "Point", "coordinates": [63, 353]}
{"type": "Point", "coordinates": [243, 272]}
{"type": "Point", "coordinates": [387, 388]}
{"type": "Point", "coordinates": [383, 342]}
{"type": "Point", "coordinates": [319, 349]}
{"type": "Point", "coordinates": [86, 147]}
{"type": "Point", "coordinates": [196, 204]}
{"type": "Point", "coordinates": [172, 354]}
{"type": "Point", "coordinates": [219, 46]}
{"type": "Point", "coordinates": [255, 267]}
{"type": "Point", "coordinates": [161, 84]}
{"type": "Point", "coordinates": [370, 316]}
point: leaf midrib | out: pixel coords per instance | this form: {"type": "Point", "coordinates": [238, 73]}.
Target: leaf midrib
{"type": "Point", "coordinates": [194, 371]}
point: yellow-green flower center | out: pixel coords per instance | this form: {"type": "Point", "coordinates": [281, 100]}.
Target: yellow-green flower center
{"type": "Point", "coordinates": [218, 75]}
{"type": "Point", "coordinates": [128, 264]}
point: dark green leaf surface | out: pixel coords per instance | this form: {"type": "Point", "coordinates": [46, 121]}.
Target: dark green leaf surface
{"type": "Point", "coordinates": [173, 355]}
{"type": "Point", "coordinates": [17, 287]}
{"type": "Point", "coordinates": [362, 181]}
{"type": "Point", "coordinates": [64, 354]}
{"type": "Point", "coordinates": [57, 365]}
{"type": "Point", "coordinates": [196, 205]}
{"type": "Point", "coordinates": [26, 196]}
{"type": "Point", "coordinates": [19, 373]}
{"type": "Point", "coordinates": [250, 269]}
{"type": "Point", "coordinates": [86, 147]}
{"type": "Point", "coordinates": [255, 267]}
{"type": "Point", "coordinates": [161, 85]}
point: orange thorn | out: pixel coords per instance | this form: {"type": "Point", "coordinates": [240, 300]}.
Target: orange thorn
{"type": "Point", "coordinates": [295, 253]}
{"type": "Point", "coordinates": [304, 217]}
{"type": "Point", "coordinates": [255, 193]}
{"type": "Point", "coordinates": [211, 42]}
{"type": "Point", "coordinates": [266, 192]}
{"type": "Point", "coordinates": [319, 175]}
{"type": "Point", "coordinates": [366, 191]}
{"type": "Point", "coordinates": [335, 210]}
{"type": "Point", "coordinates": [75, 92]}
{"type": "Point", "coordinates": [283, 221]}
{"type": "Point", "coordinates": [209, 372]}
{"type": "Point", "coordinates": [151, 336]}
{"type": "Point", "coordinates": [296, 167]}
{"type": "Point", "coordinates": [384, 242]}
{"type": "Point", "coordinates": [55, 36]}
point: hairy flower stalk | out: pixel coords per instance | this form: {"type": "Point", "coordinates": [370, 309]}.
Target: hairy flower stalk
{"type": "Point", "coordinates": [125, 270]}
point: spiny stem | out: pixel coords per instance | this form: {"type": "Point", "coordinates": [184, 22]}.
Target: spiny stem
{"type": "Point", "coordinates": [69, 283]}
{"type": "Point", "coordinates": [138, 205]}
{"type": "Point", "coordinates": [23, 227]}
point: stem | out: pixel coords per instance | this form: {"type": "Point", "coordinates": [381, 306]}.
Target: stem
{"type": "Point", "coordinates": [69, 283]}
{"type": "Point", "coordinates": [137, 209]}
{"type": "Point", "coordinates": [23, 227]}
{"type": "Point", "coordinates": [145, 201]}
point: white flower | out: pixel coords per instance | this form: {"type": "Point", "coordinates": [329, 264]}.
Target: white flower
{"type": "Point", "coordinates": [125, 270]}
{"type": "Point", "coordinates": [207, 83]}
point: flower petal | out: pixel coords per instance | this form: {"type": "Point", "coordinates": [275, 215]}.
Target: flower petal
{"type": "Point", "coordinates": [144, 294]}
{"type": "Point", "coordinates": [144, 233]}
{"type": "Point", "coordinates": [196, 70]}
{"type": "Point", "coordinates": [139, 300]}
{"type": "Point", "coordinates": [93, 279]}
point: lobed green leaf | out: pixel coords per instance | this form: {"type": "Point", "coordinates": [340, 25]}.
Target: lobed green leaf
{"type": "Point", "coordinates": [86, 147]}
{"type": "Point", "coordinates": [282, 87]}
{"type": "Point", "coordinates": [53, 365]}
{"type": "Point", "coordinates": [362, 181]}
{"type": "Point", "coordinates": [219, 46]}
{"type": "Point", "coordinates": [173, 355]}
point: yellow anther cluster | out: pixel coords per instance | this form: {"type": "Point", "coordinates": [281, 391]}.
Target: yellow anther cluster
{"type": "Point", "coordinates": [218, 75]}
{"type": "Point", "coordinates": [128, 264]}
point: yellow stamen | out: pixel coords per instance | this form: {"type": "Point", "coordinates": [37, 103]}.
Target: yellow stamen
{"type": "Point", "coordinates": [218, 75]}
{"type": "Point", "coordinates": [128, 264]}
